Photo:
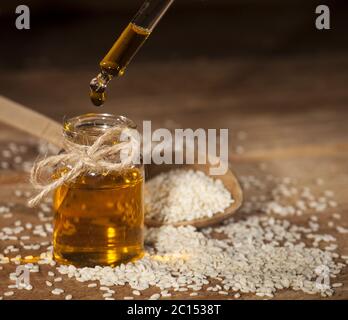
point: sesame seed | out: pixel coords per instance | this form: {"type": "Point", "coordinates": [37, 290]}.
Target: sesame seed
{"type": "Point", "coordinates": [319, 181]}
{"type": "Point", "coordinates": [155, 296]}
{"type": "Point", "coordinates": [4, 165]}
{"type": "Point", "coordinates": [57, 291]}
{"type": "Point", "coordinates": [341, 229]}
{"type": "Point", "coordinates": [6, 154]}
{"type": "Point", "coordinates": [18, 193]}
{"type": "Point", "coordinates": [12, 286]}
{"type": "Point", "coordinates": [104, 288]}
{"type": "Point", "coordinates": [329, 193]}
{"type": "Point", "coordinates": [330, 224]}
{"type": "Point", "coordinates": [333, 204]}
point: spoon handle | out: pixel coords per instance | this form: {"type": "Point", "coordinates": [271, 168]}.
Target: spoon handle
{"type": "Point", "coordinates": [27, 120]}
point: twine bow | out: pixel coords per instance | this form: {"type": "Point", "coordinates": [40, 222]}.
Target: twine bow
{"type": "Point", "coordinates": [100, 156]}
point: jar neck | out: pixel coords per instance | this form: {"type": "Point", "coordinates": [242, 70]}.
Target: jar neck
{"type": "Point", "coordinates": [85, 129]}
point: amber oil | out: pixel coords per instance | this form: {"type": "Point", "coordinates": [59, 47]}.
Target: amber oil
{"type": "Point", "coordinates": [117, 59]}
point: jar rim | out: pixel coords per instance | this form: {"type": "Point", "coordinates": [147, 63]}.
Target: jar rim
{"type": "Point", "coordinates": [84, 124]}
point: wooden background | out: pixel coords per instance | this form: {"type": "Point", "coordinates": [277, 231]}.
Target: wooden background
{"type": "Point", "coordinates": [260, 68]}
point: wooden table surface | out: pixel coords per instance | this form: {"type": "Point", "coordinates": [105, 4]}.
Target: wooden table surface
{"type": "Point", "coordinates": [296, 125]}
{"type": "Point", "coordinates": [261, 69]}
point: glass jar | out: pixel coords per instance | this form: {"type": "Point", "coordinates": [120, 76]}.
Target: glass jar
{"type": "Point", "coordinates": [99, 217]}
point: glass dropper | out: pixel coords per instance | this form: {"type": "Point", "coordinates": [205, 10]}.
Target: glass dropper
{"type": "Point", "coordinates": [127, 45]}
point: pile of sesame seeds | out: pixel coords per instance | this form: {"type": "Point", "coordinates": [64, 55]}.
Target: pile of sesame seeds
{"type": "Point", "coordinates": [184, 195]}
{"type": "Point", "coordinates": [257, 254]}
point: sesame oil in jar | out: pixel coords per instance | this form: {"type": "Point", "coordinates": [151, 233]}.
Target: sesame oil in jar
{"type": "Point", "coordinates": [99, 217]}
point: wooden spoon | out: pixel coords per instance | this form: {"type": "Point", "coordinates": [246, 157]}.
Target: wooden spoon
{"type": "Point", "coordinates": [47, 129]}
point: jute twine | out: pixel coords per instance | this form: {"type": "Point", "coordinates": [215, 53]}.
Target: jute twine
{"type": "Point", "coordinates": [98, 157]}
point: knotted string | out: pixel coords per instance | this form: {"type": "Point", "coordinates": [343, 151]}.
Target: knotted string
{"type": "Point", "coordinates": [98, 157]}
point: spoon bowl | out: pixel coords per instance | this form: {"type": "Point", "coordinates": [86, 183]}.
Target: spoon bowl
{"type": "Point", "coordinates": [229, 180]}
